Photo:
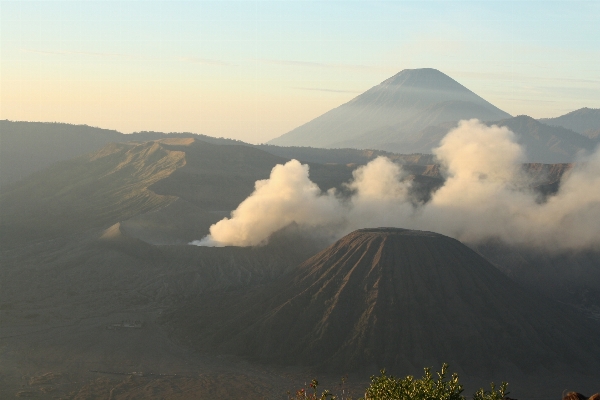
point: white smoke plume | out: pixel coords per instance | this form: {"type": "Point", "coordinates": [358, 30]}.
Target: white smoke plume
{"type": "Point", "coordinates": [483, 197]}
{"type": "Point", "coordinates": [288, 196]}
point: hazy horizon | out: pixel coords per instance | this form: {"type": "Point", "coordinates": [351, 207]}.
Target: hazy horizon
{"type": "Point", "coordinates": [255, 70]}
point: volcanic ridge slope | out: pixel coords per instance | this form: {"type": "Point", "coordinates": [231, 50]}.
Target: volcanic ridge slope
{"type": "Point", "coordinates": [585, 121]}
{"type": "Point", "coordinates": [397, 299]}
{"type": "Point", "coordinates": [545, 143]}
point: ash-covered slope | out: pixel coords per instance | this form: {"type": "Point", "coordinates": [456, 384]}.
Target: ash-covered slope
{"type": "Point", "coordinates": [398, 299]}
{"type": "Point", "coordinates": [410, 100]}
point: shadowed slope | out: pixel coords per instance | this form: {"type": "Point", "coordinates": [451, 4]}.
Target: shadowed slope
{"type": "Point", "coordinates": [400, 299]}
{"type": "Point", "coordinates": [585, 121]}
{"type": "Point", "coordinates": [123, 180]}
{"type": "Point", "coordinates": [544, 143]}
{"type": "Point", "coordinates": [28, 147]}
{"type": "Point", "coordinates": [97, 189]}
{"type": "Point", "coordinates": [214, 176]}
{"type": "Point", "coordinates": [59, 297]}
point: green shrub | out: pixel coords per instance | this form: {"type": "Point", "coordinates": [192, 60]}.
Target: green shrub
{"type": "Point", "coordinates": [493, 394]}
{"type": "Point", "coordinates": [385, 387]}
{"type": "Point", "coordinates": [304, 394]}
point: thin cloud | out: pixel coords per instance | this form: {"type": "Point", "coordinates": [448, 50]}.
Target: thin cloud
{"type": "Point", "coordinates": [205, 61]}
{"type": "Point", "coordinates": [328, 90]}
{"type": "Point", "coordinates": [197, 60]}
{"type": "Point", "coordinates": [293, 63]}
{"type": "Point", "coordinates": [577, 80]}
{"type": "Point", "coordinates": [85, 53]}
{"type": "Point", "coordinates": [516, 77]}
{"type": "Point", "coordinates": [528, 100]}
{"type": "Point", "coordinates": [296, 63]}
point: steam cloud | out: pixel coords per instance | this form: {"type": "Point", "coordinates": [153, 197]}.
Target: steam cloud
{"type": "Point", "coordinates": [485, 195]}
{"type": "Point", "coordinates": [288, 196]}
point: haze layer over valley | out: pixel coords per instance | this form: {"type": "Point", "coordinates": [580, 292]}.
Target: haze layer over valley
{"type": "Point", "coordinates": [442, 230]}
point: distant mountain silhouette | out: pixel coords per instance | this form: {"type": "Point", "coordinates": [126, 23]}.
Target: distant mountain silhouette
{"type": "Point", "coordinates": [544, 143]}
{"type": "Point", "coordinates": [405, 103]}
{"type": "Point", "coordinates": [585, 121]}
{"type": "Point", "coordinates": [397, 299]}
{"type": "Point", "coordinates": [28, 147]}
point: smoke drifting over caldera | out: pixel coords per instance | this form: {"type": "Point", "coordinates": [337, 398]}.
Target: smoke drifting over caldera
{"type": "Point", "coordinates": [485, 195]}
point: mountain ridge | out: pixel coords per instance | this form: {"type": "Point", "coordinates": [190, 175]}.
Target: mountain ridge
{"type": "Point", "coordinates": [29, 147]}
{"type": "Point", "coordinates": [585, 121]}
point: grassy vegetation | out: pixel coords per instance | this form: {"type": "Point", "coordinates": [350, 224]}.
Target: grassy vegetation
{"type": "Point", "coordinates": [387, 387]}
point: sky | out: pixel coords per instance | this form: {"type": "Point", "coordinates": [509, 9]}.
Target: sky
{"type": "Point", "coordinates": [254, 70]}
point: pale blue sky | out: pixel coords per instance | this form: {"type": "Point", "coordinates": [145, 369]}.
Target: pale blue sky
{"type": "Point", "coordinates": [253, 70]}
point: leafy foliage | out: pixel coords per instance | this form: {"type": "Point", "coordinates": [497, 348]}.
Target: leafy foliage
{"type": "Point", "coordinates": [492, 394]}
{"type": "Point", "coordinates": [431, 386]}
{"type": "Point", "coordinates": [385, 387]}
{"type": "Point", "coordinates": [304, 394]}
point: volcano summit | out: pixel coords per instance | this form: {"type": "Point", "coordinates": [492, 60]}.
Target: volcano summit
{"type": "Point", "coordinates": [399, 299]}
{"type": "Point", "coordinates": [402, 105]}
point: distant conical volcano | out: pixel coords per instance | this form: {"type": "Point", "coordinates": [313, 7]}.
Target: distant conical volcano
{"type": "Point", "coordinates": [407, 102]}
{"type": "Point", "coordinates": [399, 299]}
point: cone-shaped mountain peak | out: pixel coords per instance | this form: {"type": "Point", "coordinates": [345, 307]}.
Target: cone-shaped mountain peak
{"type": "Point", "coordinates": [424, 78]}
{"type": "Point", "coordinates": [410, 100]}
{"type": "Point", "coordinates": [401, 299]}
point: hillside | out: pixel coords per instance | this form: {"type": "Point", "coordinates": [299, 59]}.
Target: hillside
{"type": "Point", "coordinates": [395, 298]}
{"type": "Point", "coordinates": [570, 277]}
{"type": "Point", "coordinates": [344, 155]}
{"type": "Point", "coordinates": [29, 147]}
{"type": "Point", "coordinates": [89, 191]}
{"type": "Point", "coordinates": [170, 191]}
{"type": "Point", "coordinates": [117, 183]}
{"type": "Point", "coordinates": [164, 191]}
{"type": "Point", "coordinates": [585, 121]}
{"type": "Point", "coordinates": [405, 103]}
{"type": "Point", "coordinates": [65, 304]}
{"type": "Point", "coordinates": [544, 143]}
